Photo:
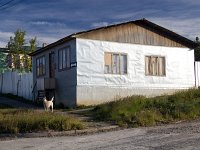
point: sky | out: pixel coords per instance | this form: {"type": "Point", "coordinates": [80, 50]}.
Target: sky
{"type": "Point", "coordinates": [51, 20]}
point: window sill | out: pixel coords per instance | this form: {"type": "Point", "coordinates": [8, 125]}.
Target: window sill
{"type": "Point", "coordinates": [115, 74]}
{"type": "Point", "coordinates": [155, 75]}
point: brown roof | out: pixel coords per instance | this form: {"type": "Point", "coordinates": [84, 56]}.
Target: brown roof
{"type": "Point", "coordinates": [142, 22]}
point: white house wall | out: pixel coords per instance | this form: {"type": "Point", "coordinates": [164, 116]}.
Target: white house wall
{"type": "Point", "coordinates": [93, 86]}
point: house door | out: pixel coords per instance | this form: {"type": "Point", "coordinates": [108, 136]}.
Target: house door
{"type": "Point", "coordinates": [52, 65]}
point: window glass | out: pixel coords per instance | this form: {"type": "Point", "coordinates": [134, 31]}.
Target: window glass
{"type": "Point", "coordinates": [40, 66]}
{"type": "Point", "coordinates": [43, 66]}
{"type": "Point", "coordinates": [123, 64]}
{"type": "Point", "coordinates": [115, 63]}
{"type": "Point", "coordinates": [64, 63]}
{"type": "Point", "coordinates": [68, 58]}
{"type": "Point", "coordinates": [60, 59]}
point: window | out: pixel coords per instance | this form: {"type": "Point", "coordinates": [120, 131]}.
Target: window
{"type": "Point", "coordinates": [115, 63]}
{"type": "Point", "coordinates": [40, 65]}
{"type": "Point", "coordinates": [64, 58]}
{"type": "Point", "coordinates": [155, 66]}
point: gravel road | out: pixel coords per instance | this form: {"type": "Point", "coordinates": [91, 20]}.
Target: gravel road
{"type": "Point", "coordinates": [176, 136]}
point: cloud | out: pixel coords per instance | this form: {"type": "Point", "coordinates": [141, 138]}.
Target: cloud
{"type": "Point", "coordinates": [187, 27]}
{"type": "Point", "coordinates": [99, 24]}
{"type": "Point", "coordinates": [48, 23]}
{"type": "Point", "coordinates": [40, 23]}
{"type": "Point", "coordinates": [4, 38]}
{"type": "Point", "coordinates": [50, 20]}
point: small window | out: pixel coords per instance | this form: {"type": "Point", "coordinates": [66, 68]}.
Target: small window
{"type": "Point", "coordinates": [115, 63]}
{"type": "Point", "coordinates": [40, 66]}
{"type": "Point", "coordinates": [64, 58]}
{"type": "Point", "coordinates": [155, 66]}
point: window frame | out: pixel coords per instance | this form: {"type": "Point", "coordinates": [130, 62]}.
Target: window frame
{"type": "Point", "coordinates": [155, 56]}
{"type": "Point", "coordinates": [65, 50]}
{"type": "Point", "coordinates": [38, 74]}
{"type": "Point", "coordinates": [119, 54]}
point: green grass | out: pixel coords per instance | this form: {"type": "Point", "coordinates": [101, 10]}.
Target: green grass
{"type": "Point", "coordinates": [141, 111]}
{"type": "Point", "coordinates": [21, 121]}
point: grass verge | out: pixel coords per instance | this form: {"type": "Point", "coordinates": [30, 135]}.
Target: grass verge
{"type": "Point", "coordinates": [141, 111]}
{"type": "Point", "coordinates": [21, 121]}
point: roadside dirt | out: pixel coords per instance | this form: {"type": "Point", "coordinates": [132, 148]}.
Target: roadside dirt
{"type": "Point", "coordinates": [179, 136]}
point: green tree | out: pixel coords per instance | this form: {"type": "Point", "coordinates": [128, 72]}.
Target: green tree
{"type": "Point", "coordinates": [19, 51]}
{"type": "Point", "coordinates": [197, 50]}
{"type": "Point", "coordinates": [32, 49]}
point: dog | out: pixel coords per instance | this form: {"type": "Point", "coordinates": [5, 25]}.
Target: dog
{"type": "Point", "coordinates": [47, 104]}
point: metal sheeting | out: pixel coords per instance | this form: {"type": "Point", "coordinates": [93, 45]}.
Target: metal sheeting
{"type": "Point", "coordinates": [90, 69]}
{"type": "Point", "coordinates": [17, 84]}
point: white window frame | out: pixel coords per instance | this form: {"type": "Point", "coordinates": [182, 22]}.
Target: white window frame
{"type": "Point", "coordinates": [64, 58]}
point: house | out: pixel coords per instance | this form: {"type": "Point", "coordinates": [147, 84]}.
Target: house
{"type": "Point", "coordinates": [99, 65]}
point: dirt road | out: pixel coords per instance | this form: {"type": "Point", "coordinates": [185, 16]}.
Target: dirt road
{"type": "Point", "coordinates": [177, 136]}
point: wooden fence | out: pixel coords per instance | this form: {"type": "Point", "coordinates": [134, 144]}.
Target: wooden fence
{"type": "Point", "coordinates": [17, 84]}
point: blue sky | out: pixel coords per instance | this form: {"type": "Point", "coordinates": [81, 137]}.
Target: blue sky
{"type": "Point", "coordinates": [50, 20]}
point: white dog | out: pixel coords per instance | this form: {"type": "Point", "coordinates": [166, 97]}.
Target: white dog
{"type": "Point", "coordinates": [47, 104]}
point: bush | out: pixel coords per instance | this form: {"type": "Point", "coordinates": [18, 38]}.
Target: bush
{"type": "Point", "coordinates": [14, 121]}
{"type": "Point", "coordinates": [142, 111]}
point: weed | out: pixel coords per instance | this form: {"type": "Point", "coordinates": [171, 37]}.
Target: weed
{"type": "Point", "coordinates": [142, 111]}
{"type": "Point", "coordinates": [14, 121]}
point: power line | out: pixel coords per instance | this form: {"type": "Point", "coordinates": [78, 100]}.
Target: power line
{"type": "Point", "coordinates": [6, 3]}
{"type": "Point", "coordinates": [12, 5]}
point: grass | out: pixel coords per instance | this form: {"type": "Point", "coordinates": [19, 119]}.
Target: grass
{"type": "Point", "coordinates": [141, 111]}
{"type": "Point", "coordinates": [21, 121]}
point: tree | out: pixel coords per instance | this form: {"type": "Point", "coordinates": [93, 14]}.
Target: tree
{"type": "Point", "coordinates": [19, 51]}
{"type": "Point", "coordinates": [197, 50]}
{"type": "Point", "coordinates": [32, 49]}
